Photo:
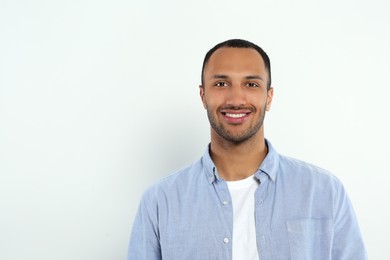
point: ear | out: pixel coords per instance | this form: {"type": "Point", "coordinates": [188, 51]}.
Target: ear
{"type": "Point", "coordinates": [270, 95]}
{"type": "Point", "coordinates": [202, 95]}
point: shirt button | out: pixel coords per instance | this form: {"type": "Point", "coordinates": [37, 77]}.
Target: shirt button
{"type": "Point", "coordinates": [261, 202]}
{"type": "Point", "coordinates": [226, 240]}
{"type": "Point", "coordinates": [225, 202]}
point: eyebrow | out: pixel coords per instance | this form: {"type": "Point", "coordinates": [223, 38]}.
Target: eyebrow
{"type": "Point", "coordinates": [221, 76]}
{"type": "Point", "coordinates": [254, 77]}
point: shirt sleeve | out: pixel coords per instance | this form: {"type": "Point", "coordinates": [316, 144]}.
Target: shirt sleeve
{"type": "Point", "coordinates": [347, 242]}
{"type": "Point", "coordinates": [144, 240]}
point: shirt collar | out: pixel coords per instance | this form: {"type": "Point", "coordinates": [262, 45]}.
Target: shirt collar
{"type": "Point", "coordinates": [268, 166]}
{"type": "Point", "coordinates": [209, 166]}
{"type": "Point", "coordinates": [270, 163]}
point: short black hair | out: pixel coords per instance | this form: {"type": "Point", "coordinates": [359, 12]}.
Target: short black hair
{"type": "Point", "coordinates": [239, 43]}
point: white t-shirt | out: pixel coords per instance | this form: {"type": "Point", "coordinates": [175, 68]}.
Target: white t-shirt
{"type": "Point", "coordinates": [244, 230]}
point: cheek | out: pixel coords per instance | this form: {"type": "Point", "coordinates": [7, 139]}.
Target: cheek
{"type": "Point", "coordinates": [260, 102]}
{"type": "Point", "coordinates": [204, 103]}
{"type": "Point", "coordinates": [256, 100]}
{"type": "Point", "coordinates": [215, 99]}
{"type": "Point", "coordinates": [210, 101]}
{"type": "Point", "coordinates": [203, 98]}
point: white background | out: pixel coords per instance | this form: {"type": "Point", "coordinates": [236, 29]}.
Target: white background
{"type": "Point", "coordinates": [99, 99]}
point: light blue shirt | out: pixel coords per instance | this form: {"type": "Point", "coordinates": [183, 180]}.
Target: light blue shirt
{"type": "Point", "coordinates": [301, 212]}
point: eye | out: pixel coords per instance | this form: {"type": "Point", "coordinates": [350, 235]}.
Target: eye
{"type": "Point", "coordinates": [252, 85]}
{"type": "Point", "coordinates": [221, 84]}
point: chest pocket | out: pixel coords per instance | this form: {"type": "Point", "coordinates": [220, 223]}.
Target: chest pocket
{"type": "Point", "coordinates": [310, 238]}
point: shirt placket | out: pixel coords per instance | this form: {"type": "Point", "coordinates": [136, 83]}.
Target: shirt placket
{"type": "Point", "coordinates": [262, 217]}
{"type": "Point", "coordinates": [226, 218]}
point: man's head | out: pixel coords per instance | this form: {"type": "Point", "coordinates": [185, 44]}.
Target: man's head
{"type": "Point", "coordinates": [236, 90]}
{"type": "Point", "coordinates": [238, 43]}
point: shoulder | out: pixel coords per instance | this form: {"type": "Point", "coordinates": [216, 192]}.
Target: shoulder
{"type": "Point", "coordinates": [306, 184]}
{"type": "Point", "coordinates": [175, 182]}
{"type": "Point", "coordinates": [305, 172]}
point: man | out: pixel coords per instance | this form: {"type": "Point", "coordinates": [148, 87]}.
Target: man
{"type": "Point", "coordinates": [243, 200]}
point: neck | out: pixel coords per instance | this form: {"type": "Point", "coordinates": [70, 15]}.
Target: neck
{"type": "Point", "coordinates": [237, 161]}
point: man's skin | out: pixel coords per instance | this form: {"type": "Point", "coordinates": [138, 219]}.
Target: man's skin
{"type": "Point", "coordinates": [235, 82]}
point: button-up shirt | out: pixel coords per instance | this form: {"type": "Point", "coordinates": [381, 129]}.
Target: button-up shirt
{"type": "Point", "coordinates": [301, 212]}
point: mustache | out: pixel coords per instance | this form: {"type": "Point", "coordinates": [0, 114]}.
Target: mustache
{"type": "Point", "coordinates": [252, 109]}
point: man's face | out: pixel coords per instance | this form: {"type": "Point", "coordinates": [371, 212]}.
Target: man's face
{"type": "Point", "coordinates": [235, 93]}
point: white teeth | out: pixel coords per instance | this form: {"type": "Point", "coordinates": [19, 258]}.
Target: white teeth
{"type": "Point", "coordinates": [235, 115]}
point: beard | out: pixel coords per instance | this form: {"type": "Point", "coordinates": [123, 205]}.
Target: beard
{"type": "Point", "coordinates": [239, 137]}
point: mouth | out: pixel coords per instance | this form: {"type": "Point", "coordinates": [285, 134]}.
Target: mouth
{"type": "Point", "coordinates": [233, 115]}
{"type": "Point", "coordinates": [236, 117]}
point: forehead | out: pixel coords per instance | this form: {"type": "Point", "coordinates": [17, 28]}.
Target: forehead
{"type": "Point", "coordinates": [235, 60]}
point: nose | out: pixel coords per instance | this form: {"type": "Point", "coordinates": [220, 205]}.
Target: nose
{"type": "Point", "coordinates": [236, 96]}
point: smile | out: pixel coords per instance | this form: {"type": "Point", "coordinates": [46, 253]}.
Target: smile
{"type": "Point", "coordinates": [235, 115]}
